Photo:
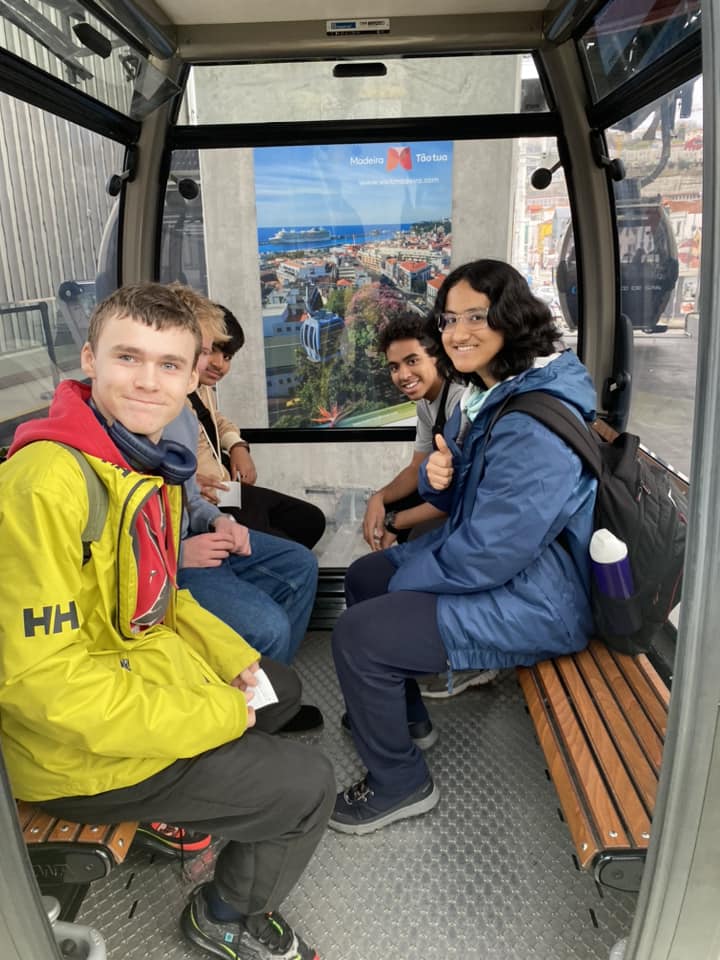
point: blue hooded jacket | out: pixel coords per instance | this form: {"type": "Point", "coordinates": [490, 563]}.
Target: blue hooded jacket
{"type": "Point", "coordinates": [508, 593]}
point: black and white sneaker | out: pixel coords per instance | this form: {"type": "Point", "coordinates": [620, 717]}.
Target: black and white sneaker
{"type": "Point", "coordinates": [263, 936]}
{"type": "Point", "coordinates": [358, 810]}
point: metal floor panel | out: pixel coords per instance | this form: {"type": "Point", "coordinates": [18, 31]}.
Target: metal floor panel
{"type": "Point", "coordinates": [489, 873]}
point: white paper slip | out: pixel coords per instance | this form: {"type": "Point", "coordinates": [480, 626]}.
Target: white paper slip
{"type": "Point", "coordinates": [232, 495]}
{"type": "Point", "coordinates": [263, 693]}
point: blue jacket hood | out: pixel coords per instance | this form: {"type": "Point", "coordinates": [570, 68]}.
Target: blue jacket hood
{"type": "Point", "coordinates": [561, 375]}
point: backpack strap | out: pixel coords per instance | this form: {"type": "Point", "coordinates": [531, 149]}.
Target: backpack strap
{"type": "Point", "coordinates": [554, 415]}
{"type": "Point", "coordinates": [97, 502]}
{"type": "Point", "coordinates": [206, 420]}
{"type": "Point", "coordinates": [441, 417]}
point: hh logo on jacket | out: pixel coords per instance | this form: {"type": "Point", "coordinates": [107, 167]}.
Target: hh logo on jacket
{"type": "Point", "coordinates": [50, 619]}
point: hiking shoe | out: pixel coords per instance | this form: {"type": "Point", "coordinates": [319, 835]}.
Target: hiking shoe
{"type": "Point", "coordinates": [358, 810]}
{"type": "Point", "coordinates": [437, 687]}
{"type": "Point", "coordinates": [170, 841]}
{"type": "Point", "coordinates": [264, 936]}
{"type": "Point", "coordinates": [422, 732]}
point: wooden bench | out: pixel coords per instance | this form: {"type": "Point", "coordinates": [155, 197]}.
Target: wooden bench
{"type": "Point", "coordinates": [601, 718]}
{"type": "Point", "coordinates": [72, 853]}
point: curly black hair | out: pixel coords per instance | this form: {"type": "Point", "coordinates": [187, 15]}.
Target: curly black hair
{"type": "Point", "coordinates": [524, 321]}
{"type": "Point", "coordinates": [407, 326]}
{"type": "Point", "coordinates": [234, 332]}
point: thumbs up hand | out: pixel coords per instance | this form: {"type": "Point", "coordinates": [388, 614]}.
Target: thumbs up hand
{"type": "Point", "coordinates": [439, 465]}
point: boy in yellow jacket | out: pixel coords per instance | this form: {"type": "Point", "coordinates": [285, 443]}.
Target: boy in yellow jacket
{"type": "Point", "coordinates": [120, 697]}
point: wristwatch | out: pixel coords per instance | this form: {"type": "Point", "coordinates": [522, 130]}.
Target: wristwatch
{"type": "Point", "coordinates": [389, 522]}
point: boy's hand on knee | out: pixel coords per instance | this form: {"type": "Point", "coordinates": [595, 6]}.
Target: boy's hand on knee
{"type": "Point", "coordinates": [206, 549]}
{"type": "Point", "coordinates": [237, 532]}
{"type": "Point", "coordinates": [373, 522]}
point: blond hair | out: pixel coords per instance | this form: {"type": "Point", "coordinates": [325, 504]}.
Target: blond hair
{"type": "Point", "coordinates": [153, 304]}
{"type": "Point", "coordinates": [208, 314]}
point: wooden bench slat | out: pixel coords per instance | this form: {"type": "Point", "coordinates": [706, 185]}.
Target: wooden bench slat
{"type": "Point", "coordinates": [64, 831]}
{"type": "Point", "coordinates": [580, 827]}
{"type": "Point", "coordinates": [38, 827]}
{"type": "Point", "coordinates": [613, 712]}
{"type": "Point", "coordinates": [26, 811]}
{"type": "Point", "coordinates": [42, 828]}
{"type": "Point", "coordinates": [654, 679]}
{"type": "Point", "coordinates": [625, 794]}
{"type": "Point", "coordinates": [643, 729]}
{"type": "Point", "coordinates": [656, 711]}
{"type": "Point", "coordinates": [94, 832]}
{"type": "Point", "coordinates": [120, 839]}
{"type": "Point", "coordinates": [611, 831]}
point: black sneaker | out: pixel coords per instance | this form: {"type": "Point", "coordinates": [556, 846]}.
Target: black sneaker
{"type": "Point", "coordinates": [170, 841]}
{"type": "Point", "coordinates": [422, 731]}
{"type": "Point", "coordinates": [264, 936]}
{"type": "Point", "coordinates": [307, 718]}
{"type": "Point", "coordinates": [358, 810]}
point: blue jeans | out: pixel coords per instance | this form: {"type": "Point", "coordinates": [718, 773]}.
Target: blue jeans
{"type": "Point", "coordinates": [267, 597]}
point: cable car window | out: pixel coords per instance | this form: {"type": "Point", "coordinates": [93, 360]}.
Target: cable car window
{"type": "Point", "coordinates": [312, 252]}
{"type": "Point", "coordinates": [51, 227]}
{"type": "Point", "coordinates": [410, 87]}
{"type": "Point", "coordinates": [69, 43]}
{"type": "Point", "coordinates": [659, 221]}
{"type": "Point", "coordinates": [315, 246]}
{"type": "Point", "coordinates": [626, 38]}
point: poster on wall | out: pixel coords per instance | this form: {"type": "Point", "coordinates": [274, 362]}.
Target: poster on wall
{"type": "Point", "coordinates": [349, 235]}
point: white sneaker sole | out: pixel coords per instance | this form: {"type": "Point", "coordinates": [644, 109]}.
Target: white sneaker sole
{"type": "Point", "coordinates": [402, 813]}
{"type": "Point", "coordinates": [479, 681]}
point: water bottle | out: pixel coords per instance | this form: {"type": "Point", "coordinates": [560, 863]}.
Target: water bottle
{"type": "Point", "coordinates": [611, 566]}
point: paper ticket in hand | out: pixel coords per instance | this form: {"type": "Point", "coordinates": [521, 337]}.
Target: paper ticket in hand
{"type": "Point", "coordinates": [263, 693]}
{"type": "Point", "coordinates": [231, 496]}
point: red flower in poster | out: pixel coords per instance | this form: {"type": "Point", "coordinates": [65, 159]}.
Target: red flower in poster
{"type": "Point", "coordinates": [331, 417]}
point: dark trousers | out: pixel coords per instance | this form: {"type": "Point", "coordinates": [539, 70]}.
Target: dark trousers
{"type": "Point", "coordinates": [269, 797]}
{"type": "Point", "coordinates": [279, 514]}
{"type": "Point", "coordinates": [381, 642]}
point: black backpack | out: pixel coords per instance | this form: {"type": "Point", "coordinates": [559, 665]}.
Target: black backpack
{"type": "Point", "coordinates": [638, 503]}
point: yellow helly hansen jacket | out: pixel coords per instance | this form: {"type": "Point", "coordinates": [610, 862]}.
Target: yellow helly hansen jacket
{"type": "Point", "coordinates": [86, 705]}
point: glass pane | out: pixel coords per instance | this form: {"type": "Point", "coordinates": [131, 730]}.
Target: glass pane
{"type": "Point", "coordinates": [51, 226]}
{"type": "Point", "coordinates": [70, 44]}
{"type": "Point", "coordinates": [311, 248]}
{"type": "Point", "coordinates": [625, 38]}
{"type": "Point", "coordinates": [659, 209]}
{"type": "Point", "coordinates": [541, 228]}
{"type": "Point", "coordinates": [416, 87]}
